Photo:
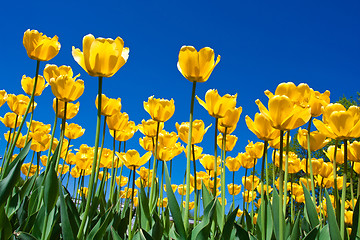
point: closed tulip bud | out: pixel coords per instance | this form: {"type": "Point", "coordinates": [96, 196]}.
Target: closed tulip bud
{"type": "Point", "coordinates": [198, 131]}
{"type": "Point", "coordinates": [217, 106]}
{"type": "Point", "coordinates": [339, 123]}
{"type": "Point", "coordinates": [233, 164]}
{"type": "Point", "coordinates": [43, 160]}
{"type": "Point", "coordinates": [317, 139]}
{"type": "Point", "coordinates": [66, 88]}
{"type": "Point", "coordinates": [318, 101]}
{"type": "Point", "coordinates": [71, 109]}
{"type": "Point", "coordinates": [19, 103]}
{"type": "Point", "coordinates": [229, 144]}
{"type": "Point", "coordinates": [261, 127]}
{"type": "Point", "coordinates": [255, 150]}
{"type": "Point", "coordinates": [283, 113]}
{"type": "Point", "coordinates": [349, 217]}
{"type": "Point", "coordinates": [251, 182]}
{"type": "Point", "coordinates": [27, 84]}
{"type": "Point", "coordinates": [148, 128]}
{"type": "Point", "coordinates": [126, 133]}
{"type": "Point", "coordinates": [354, 151]}
{"type": "Point", "coordinates": [84, 157]}
{"type": "Point", "coordinates": [40, 47]}
{"type": "Point", "coordinates": [160, 110]}
{"type": "Point", "coordinates": [9, 120]}
{"type": "Point", "coordinates": [231, 118]}
{"type": "Point", "coordinates": [40, 142]}
{"type": "Point", "coordinates": [107, 156]}
{"type": "Point", "coordinates": [234, 189]}
{"type": "Point", "coordinates": [117, 121]}
{"type": "Point", "coordinates": [101, 57]}
{"type": "Point", "coordinates": [229, 130]}
{"type": "Point", "coordinates": [196, 66]}
{"type": "Point", "coordinates": [109, 106]}
{"type": "Point", "coordinates": [3, 97]}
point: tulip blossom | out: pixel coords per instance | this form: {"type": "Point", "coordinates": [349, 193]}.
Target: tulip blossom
{"type": "Point", "coordinates": [66, 88]}
{"type": "Point", "coordinates": [73, 131]}
{"type": "Point", "coordinates": [40, 47]}
{"type": "Point", "coordinates": [19, 103]}
{"type": "Point", "coordinates": [234, 189]}
{"type": "Point", "coordinates": [101, 57]}
{"type": "Point", "coordinates": [261, 127]}
{"type": "Point", "coordinates": [126, 133]}
{"type": "Point", "coordinates": [118, 121]}
{"type": "Point", "coordinates": [72, 109]}
{"type": "Point", "coordinates": [233, 164]}
{"type": "Point", "coordinates": [198, 131]}
{"type": "Point", "coordinates": [132, 159]}
{"type": "Point", "coordinates": [53, 71]}
{"type": "Point", "coordinates": [317, 139]}
{"type": "Point", "coordinates": [27, 84]}
{"type": "Point", "coordinates": [3, 97]}
{"type": "Point", "coordinates": [9, 120]}
{"type": "Point", "coordinates": [217, 106]}
{"type": "Point", "coordinates": [148, 128]}
{"type": "Point", "coordinates": [317, 101]}
{"type": "Point", "coordinates": [109, 106]}
{"type": "Point", "coordinates": [160, 110]}
{"type": "Point", "coordinates": [229, 144]}
{"type": "Point", "coordinates": [231, 118]}
{"type": "Point", "coordinates": [196, 66]}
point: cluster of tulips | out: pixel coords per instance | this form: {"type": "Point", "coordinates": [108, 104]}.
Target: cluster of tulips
{"type": "Point", "coordinates": [99, 211]}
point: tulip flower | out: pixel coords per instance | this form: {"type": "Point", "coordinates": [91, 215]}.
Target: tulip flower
{"type": "Point", "coordinates": [117, 121]}
{"type": "Point", "coordinates": [27, 84]}
{"type": "Point", "coordinates": [37, 126]}
{"type": "Point", "coordinates": [3, 97]}
{"type": "Point", "coordinates": [354, 151]}
{"type": "Point", "coordinates": [182, 189]}
{"type": "Point", "coordinates": [160, 110]}
{"type": "Point", "coordinates": [231, 118]}
{"type": "Point", "coordinates": [101, 57]}
{"type": "Point", "coordinates": [299, 95]}
{"type": "Point", "coordinates": [28, 169]}
{"type": "Point", "coordinates": [53, 71]}
{"type": "Point", "coordinates": [317, 139]}
{"type": "Point", "coordinates": [317, 101]}
{"type": "Point", "coordinates": [71, 109]}
{"type": "Point", "coordinates": [326, 169]}
{"type": "Point", "coordinates": [133, 160]}
{"type": "Point", "coordinates": [173, 187]}
{"type": "Point", "coordinates": [163, 203]}
{"type": "Point", "coordinates": [234, 189]}
{"type": "Point", "coordinates": [230, 142]}
{"type": "Point", "coordinates": [40, 141]}
{"type": "Point", "coordinates": [126, 133]}
{"type": "Point", "coordinates": [124, 181]}
{"type": "Point", "coordinates": [249, 196]}
{"type": "Point", "coordinates": [198, 131]}
{"type": "Point", "coordinates": [233, 164]}
{"type": "Point", "coordinates": [339, 154]}
{"type": "Point", "coordinates": [19, 103]}
{"type": "Point", "coordinates": [196, 66]}
{"type": "Point", "coordinates": [66, 88]}
{"type": "Point", "coordinates": [40, 47]}
{"type": "Point", "coordinates": [246, 160]}
{"type": "Point", "coordinates": [197, 152]}
{"type": "Point", "coordinates": [109, 106]}
{"type": "Point", "coordinates": [261, 127]}
{"type": "Point", "coordinates": [250, 182]}
{"type": "Point", "coordinates": [9, 120]}
{"type": "Point", "coordinates": [167, 139]}
{"type": "Point", "coordinates": [73, 131]}
{"type": "Point", "coordinates": [255, 150]}
{"type": "Point", "coordinates": [84, 157]}
{"type": "Point", "coordinates": [217, 106]}
{"type": "Point", "coordinates": [148, 128]}
{"type": "Point", "coordinates": [208, 162]}
{"type": "Point", "coordinates": [317, 165]}
{"type": "Point", "coordinates": [62, 169]}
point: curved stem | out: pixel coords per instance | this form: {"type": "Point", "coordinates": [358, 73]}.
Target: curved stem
{"type": "Point", "coordinates": [99, 159]}
{"type": "Point", "coordinates": [310, 164]}
{"type": "Point", "coordinates": [263, 232]}
{"type": "Point", "coordinates": [343, 193]}
{"type": "Point", "coordinates": [215, 158]}
{"type": "Point", "coordinates": [61, 141]}
{"type": "Point", "coordinates": [195, 186]}
{"type": "Point", "coordinates": [52, 137]}
{"type": "Point", "coordinates": [152, 192]}
{"type": "Point", "coordinates": [91, 180]}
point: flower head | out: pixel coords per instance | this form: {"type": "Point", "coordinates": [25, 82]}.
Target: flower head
{"type": "Point", "coordinates": [217, 106]}
{"type": "Point", "coordinates": [160, 110]}
{"type": "Point", "coordinates": [27, 84]}
{"type": "Point", "coordinates": [133, 160]}
{"type": "Point", "coordinates": [40, 47]}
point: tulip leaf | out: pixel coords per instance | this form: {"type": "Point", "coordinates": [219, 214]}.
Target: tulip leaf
{"type": "Point", "coordinates": [312, 234]}
{"type": "Point", "coordinates": [206, 195]}
{"type": "Point", "coordinates": [295, 234]}
{"type": "Point", "coordinates": [99, 229]}
{"type": "Point", "coordinates": [66, 229]}
{"type": "Point", "coordinates": [229, 224]}
{"type": "Point", "coordinates": [202, 230]}
{"type": "Point", "coordinates": [142, 235]}
{"type": "Point", "coordinates": [324, 233]}
{"type": "Point", "coordinates": [19, 158]}
{"type": "Point", "coordinates": [218, 215]}
{"type": "Point", "coordinates": [355, 232]}
{"type": "Point", "coordinates": [333, 226]}
{"type": "Point", "coordinates": [157, 228]}
{"type": "Point", "coordinates": [174, 207]}
{"type": "Point", "coordinates": [26, 236]}
{"type": "Point", "coordinates": [275, 212]}
{"type": "Point", "coordinates": [5, 225]}
{"type": "Point", "coordinates": [51, 189]}
{"type": "Point", "coordinates": [27, 187]}
{"type": "Point", "coordinates": [310, 208]}
{"type": "Point", "coordinates": [146, 220]}
{"type": "Point", "coordinates": [114, 234]}
{"type": "Point", "coordinates": [241, 234]}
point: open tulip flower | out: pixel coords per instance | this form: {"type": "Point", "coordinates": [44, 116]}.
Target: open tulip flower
{"type": "Point", "coordinates": [283, 113]}
{"type": "Point", "coordinates": [198, 131]}
{"type": "Point", "coordinates": [255, 149]}
{"type": "Point", "coordinates": [37, 126]}
{"type": "Point", "coordinates": [133, 160]}
{"type": "Point", "coordinates": [261, 127]}
{"type": "Point", "coordinates": [197, 151]}
{"type": "Point", "coordinates": [109, 106]}
{"type": "Point", "coordinates": [168, 139]}
{"type": "Point", "coordinates": [66, 88]}
{"type": "Point", "coordinates": [317, 101]}
{"type": "Point", "coordinates": [3, 97]}
{"type": "Point", "coordinates": [148, 128]}
{"type": "Point", "coordinates": [234, 189]}
{"type": "Point", "coordinates": [27, 84]}
{"type": "Point", "coordinates": [73, 131]}
{"type": "Point", "coordinates": [160, 110]}
{"type": "Point", "coordinates": [354, 151]}
{"type": "Point", "coordinates": [229, 144]}
{"type": "Point", "coordinates": [317, 139]}
{"type": "Point", "coordinates": [19, 103]}
{"type": "Point", "coordinates": [217, 106]}
{"type": "Point", "coordinates": [233, 164]}
{"type": "Point", "coordinates": [299, 95]}
{"type": "Point", "coordinates": [101, 57]}
{"type": "Point", "coordinates": [9, 120]}
{"type": "Point", "coordinates": [231, 118]}
{"type": "Point", "coordinates": [197, 66]}
{"type": "Point", "coordinates": [53, 71]}
{"type": "Point", "coordinates": [40, 47]}
{"type": "Point", "coordinates": [118, 121]}
{"type": "Point", "coordinates": [339, 123]}
{"type": "Point", "coordinates": [126, 133]}
{"type": "Point", "coordinates": [72, 109]}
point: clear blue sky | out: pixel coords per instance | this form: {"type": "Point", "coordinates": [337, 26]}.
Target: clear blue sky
{"type": "Point", "coordinates": [261, 43]}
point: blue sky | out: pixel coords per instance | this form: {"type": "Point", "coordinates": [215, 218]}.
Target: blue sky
{"type": "Point", "coordinates": [261, 43]}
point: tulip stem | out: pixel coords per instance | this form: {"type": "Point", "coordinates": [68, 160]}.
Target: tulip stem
{"type": "Point", "coordinates": [99, 160]}
{"type": "Point", "coordinates": [61, 141]}
{"type": "Point", "coordinates": [351, 185]}
{"type": "Point", "coordinates": [215, 157]}
{"type": "Point", "coordinates": [31, 119]}
{"type": "Point", "coordinates": [336, 193]}
{"type": "Point", "coordinates": [7, 145]}
{"type": "Point", "coordinates": [30, 165]}
{"type": "Point", "coordinates": [113, 170]}
{"type": "Point", "coordinates": [263, 232]}
{"type": "Point", "coordinates": [153, 176]}
{"type": "Point", "coordinates": [132, 202]}
{"type": "Point", "coordinates": [343, 193]}
{"type": "Point", "coordinates": [187, 199]}
{"type": "Point", "coordinates": [12, 146]}
{"type": "Point", "coordinates": [310, 164]}
{"type": "Point", "coordinates": [244, 183]}
{"type": "Point", "coordinates": [52, 137]}
{"type": "Point", "coordinates": [91, 180]}
{"type": "Point", "coordinates": [286, 169]}
{"type": "Point", "coordinates": [223, 191]}
{"type": "Point", "coordinates": [195, 185]}
{"type": "Point", "coordinates": [281, 189]}
{"type": "Point", "coordinates": [233, 191]}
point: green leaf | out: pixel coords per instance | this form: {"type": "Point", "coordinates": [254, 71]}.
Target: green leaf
{"type": "Point", "coordinates": [324, 233]}
{"type": "Point", "coordinates": [333, 226]}
{"type": "Point", "coordinates": [229, 224]}
{"type": "Point", "coordinates": [219, 215]}
{"type": "Point", "coordinates": [27, 187]}
{"type": "Point", "coordinates": [99, 229]}
{"type": "Point", "coordinates": [313, 233]}
{"type": "Point", "coordinates": [66, 229]}
{"type": "Point", "coordinates": [157, 229]}
{"type": "Point", "coordinates": [142, 235]}
{"type": "Point", "coordinates": [310, 208]}
{"type": "Point", "coordinates": [174, 207]}
{"type": "Point", "coordinates": [202, 230]}
{"type": "Point", "coordinates": [241, 234]}
{"type": "Point", "coordinates": [26, 236]}
{"type": "Point", "coordinates": [355, 232]}
{"type": "Point", "coordinates": [146, 220]}
{"type": "Point", "coordinates": [207, 197]}
{"type": "Point", "coordinates": [13, 205]}
{"type": "Point", "coordinates": [275, 211]}
{"type": "Point", "coordinates": [114, 234]}
{"type": "Point", "coordinates": [295, 234]}
{"type": "Point", "coordinates": [5, 225]}
{"type": "Point", "coordinates": [51, 188]}
{"type": "Point", "coordinates": [19, 159]}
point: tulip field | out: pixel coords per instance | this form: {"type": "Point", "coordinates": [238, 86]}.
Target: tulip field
{"type": "Point", "coordinates": [52, 190]}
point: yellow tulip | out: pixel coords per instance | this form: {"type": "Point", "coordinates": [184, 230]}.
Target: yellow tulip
{"type": "Point", "coordinates": [9, 120]}
{"type": "Point", "coordinates": [84, 157]}
{"type": "Point", "coordinates": [26, 169]}
{"type": "Point", "coordinates": [261, 127]}
{"type": "Point", "coordinates": [133, 160]}
{"type": "Point", "coordinates": [124, 181]}
{"type": "Point", "coordinates": [299, 95]}
{"type": "Point", "coordinates": [197, 151]}
{"type": "Point", "coordinates": [19, 103]}
{"type": "Point", "coordinates": [66, 88]}
{"type": "Point", "coordinates": [246, 160]}
{"type": "Point", "coordinates": [317, 139]}
{"type": "Point", "coordinates": [53, 71]}
{"type": "Point", "coordinates": [160, 110]}
{"type": "Point", "coordinates": [275, 143]}
{"type": "Point", "coordinates": [283, 114]}
{"type": "Point", "coordinates": [234, 189]}
{"type": "Point", "coordinates": [255, 150]}
{"type": "Point", "coordinates": [109, 106]}
{"type": "Point", "coordinates": [164, 202]}
{"type": "Point", "coordinates": [173, 187]}
{"type": "Point", "coordinates": [62, 169]}
{"type": "Point", "coordinates": [357, 167]}
{"type": "Point", "coordinates": [37, 126]}
{"type": "Point", "coordinates": [70, 159]}
{"type": "Point", "coordinates": [326, 169]}
{"type": "Point", "coordinates": [354, 151]}
{"type": "Point", "coordinates": [249, 196]}
{"type": "Point", "coordinates": [182, 189]}
{"type": "Point", "coordinates": [258, 188]}
{"type": "Point", "coordinates": [208, 162]}
{"type": "Point", "coordinates": [73, 131]}
{"type": "Point", "coordinates": [40, 141]}
{"type": "Point", "coordinates": [217, 106]}
{"type": "Point", "coordinates": [231, 118]}
{"type": "Point", "coordinates": [317, 101]}
{"type": "Point", "coordinates": [233, 164]}
{"type": "Point", "coordinates": [339, 123]}
{"type": "Point", "coordinates": [167, 139]}
{"type": "Point", "coordinates": [3, 97]}
{"type": "Point", "coordinates": [83, 191]}
{"type": "Point", "coordinates": [251, 182]}
{"type": "Point", "coordinates": [40, 47]}
{"type": "Point", "coordinates": [339, 154]}
{"type": "Point", "coordinates": [317, 165]}
{"type": "Point", "coordinates": [101, 57]}
{"type": "Point", "coordinates": [71, 109]}
{"type": "Point", "coordinates": [102, 175]}
{"type": "Point", "coordinates": [44, 159]}
{"type": "Point", "coordinates": [64, 146]}
{"type": "Point", "coordinates": [148, 128]}
{"type": "Point", "coordinates": [198, 131]}
{"type": "Point", "coordinates": [27, 84]}
{"type": "Point", "coordinates": [196, 66]}
{"type": "Point", "coordinates": [117, 121]}
{"type": "Point", "coordinates": [126, 133]}
{"type": "Point", "coordinates": [147, 143]}
{"type": "Point", "coordinates": [229, 144]}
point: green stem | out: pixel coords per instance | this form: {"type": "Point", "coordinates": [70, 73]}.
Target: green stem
{"type": "Point", "coordinates": [215, 159]}
{"type": "Point", "coordinates": [61, 141]}
{"type": "Point", "coordinates": [223, 190]}
{"type": "Point", "coordinates": [161, 189]}
{"type": "Point", "coordinates": [132, 204]}
{"type": "Point", "coordinates": [52, 137]}
{"type": "Point", "coordinates": [31, 119]}
{"type": "Point", "coordinates": [263, 232]}
{"type": "Point", "coordinates": [187, 198]}
{"type": "Point", "coordinates": [152, 192]}
{"type": "Point", "coordinates": [343, 193]}
{"type": "Point", "coordinates": [336, 193]}
{"type": "Point", "coordinates": [113, 170]}
{"type": "Point", "coordinates": [91, 180]}
{"type": "Point", "coordinates": [286, 170]}
{"type": "Point", "coordinates": [32, 159]}
{"type": "Point", "coordinates": [7, 145]}
{"type": "Point", "coordinates": [245, 190]}
{"type": "Point", "coordinates": [99, 160]}
{"type": "Point", "coordinates": [310, 164]}
{"type": "Point", "coordinates": [233, 193]}
{"type": "Point", "coordinates": [292, 210]}
{"type": "Point", "coordinates": [351, 185]}
{"type": "Point", "coordinates": [195, 185]}
{"type": "Point", "coordinates": [281, 188]}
